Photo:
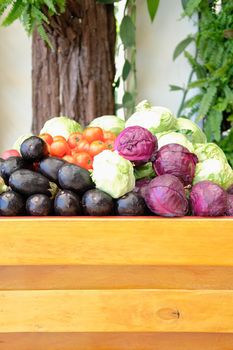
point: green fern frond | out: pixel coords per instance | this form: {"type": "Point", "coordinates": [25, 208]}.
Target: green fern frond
{"type": "Point", "coordinates": [38, 15]}
{"type": "Point", "coordinates": [191, 6]}
{"type": "Point", "coordinates": [198, 83]}
{"type": "Point", "coordinates": [15, 13]}
{"type": "Point", "coordinates": [206, 102]}
{"type": "Point", "coordinates": [198, 68]}
{"type": "Point", "coordinates": [44, 35]}
{"type": "Point", "coordinates": [192, 112]}
{"type": "Point", "coordinates": [212, 125]}
{"type": "Point", "coordinates": [193, 101]}
{"type": "Point", "coordinates": [4, 5]}
{"type": "Point", "coordinates": [50, 5]}
{"type": "Point", "coordinates": [26, 19]}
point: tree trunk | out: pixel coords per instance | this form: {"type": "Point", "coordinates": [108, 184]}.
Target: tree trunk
{"type": "Point", "coordinates": [75, 78]}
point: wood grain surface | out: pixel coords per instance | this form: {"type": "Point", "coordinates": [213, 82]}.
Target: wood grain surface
{"type": "Point", "coordinates": [115, 341]}
{"type": "Point", "coordinates": [89, 241]}
{"type": "Point", "coordinates": [116, 311]}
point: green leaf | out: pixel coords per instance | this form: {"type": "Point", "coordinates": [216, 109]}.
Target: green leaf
{"type": "Point", "coordinates": [192, 101]}
{"type": "Point", "coordinates": [128, 100]}
{"type": "Point", "coordinates": [182, 46]}
{"type": "Point", "coordinates": [152, 8]}
{"type": "Point", "coordinates": [50, 5]}
{"type": "Point", "coordinates": [184, 3]}
{"type": "Point", "coordinates": [175, 88]}
{"type": "Point", "coordinates": [216, 121]}
{"type": "Point", "coordinates": [44, 35]}
{"type": "Point", "coordinates": [127, 32]}
{"type": "Point", "coordinates": [126, 69]}
{"type": "Point", "coordinates": [206, 102]}
{"type": "Point", "coordinates": [15, 13]}
{"type": "Point", "coordinates": [4, 5]}
{"type": "Point", "coordinates": [191, 6]}
{"type": "Point", "coordinates": [198, 83]}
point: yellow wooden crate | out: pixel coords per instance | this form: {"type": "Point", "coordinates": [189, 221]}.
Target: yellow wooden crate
{"type": "Point", "coordinates": [116, 284]}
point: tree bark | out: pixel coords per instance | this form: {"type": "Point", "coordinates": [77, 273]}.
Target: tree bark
{"type": "Point", "coordinates": [75, 77]}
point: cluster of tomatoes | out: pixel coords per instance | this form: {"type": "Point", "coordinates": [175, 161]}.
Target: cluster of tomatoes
{"type": "Point", "coordinates": [80, 148]}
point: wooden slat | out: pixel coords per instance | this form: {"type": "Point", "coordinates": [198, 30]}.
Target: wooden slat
{"type": "Point", "coordinates": [115, 341]}
{"type": "Point", "coordinates": [89, 241]}
{"type": "Point", "coordinates": [115, 277]}
{"type": "Point", "coordinates": [116, 311]}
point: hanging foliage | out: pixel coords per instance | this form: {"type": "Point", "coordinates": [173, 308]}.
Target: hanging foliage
{"type": "Point", "coordinates": [211, 70]}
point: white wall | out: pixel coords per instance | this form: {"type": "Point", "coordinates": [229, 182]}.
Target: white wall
{"type": "Point", "coordinates": [15, 85]}
{"type": "Point", "coordinates": [155, 68]}
{"type": "Point", "coordinates": [155, 45]}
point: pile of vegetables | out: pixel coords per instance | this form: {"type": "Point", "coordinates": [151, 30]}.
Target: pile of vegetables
{"type": "Point", "coordinates": [154, 164]}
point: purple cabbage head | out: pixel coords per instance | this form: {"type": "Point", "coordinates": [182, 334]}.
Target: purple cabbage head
{"type": "Point", "coordinates": [229, 210]}
{"type": "Point", "coordinates": [141, 186]}
{"type": "Point", "coordinates": [136, 144]}
{"type": "Point", "coordinates": [165, 196]}
{"type": "Point", "coordinates": [208, 199]}
{"type": "Point", "coordinates": [176, 160]}
{"type": "Point", "coordinates": [230, 189]}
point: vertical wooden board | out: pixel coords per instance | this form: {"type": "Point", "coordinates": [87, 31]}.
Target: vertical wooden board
{"type": "Point", "coordinates": [115, 341]}
{"type": "Point", "coordinates": [116, 311]}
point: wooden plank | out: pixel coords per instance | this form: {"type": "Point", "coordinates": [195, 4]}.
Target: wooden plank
{"type": "Point", "coordinates": [116, 311]}
{"type": "Point", "coordinates": [115, 341]}
{"type": "Point", "coordinates": [115, 277]}
{"type": "Point", "coordinates": [116, 241]}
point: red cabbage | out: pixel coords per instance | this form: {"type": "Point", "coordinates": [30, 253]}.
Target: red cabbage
{"type": "Point", "coordinates": [141, 186]}
{"type": "Point", "coordinates": [176, 160]}
{"type": "Point", "coordinates": [208, 199]}
{"type": "Point", "coordinates": [165, 196]}
{"type": "Point", "coordinates": [136, 144]}
{"type": "Point", "coordinates": [230, 189]}
{"type": "Point", "coordinates": [229, 211]}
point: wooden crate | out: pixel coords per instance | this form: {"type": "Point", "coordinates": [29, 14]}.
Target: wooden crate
{"type": "Point", "coordinates": [116, 284]}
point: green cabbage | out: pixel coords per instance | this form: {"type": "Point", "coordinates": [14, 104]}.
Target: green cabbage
{"type": "Point", "coordinates": [209, 150]}
{"type": "Point", "coordinates": [215, 170]}
{"type": "Point", "coordinates": [190, 130]}
{"type": "Point", "coordinates": [174, 137]}
{"type": "Point", "coordinates": [145, 170]}
{"type": "Point", "coordinates": [109, 123]}
{"type": "Point", "coordinates": [113, 174]}
{"type": "Point", "coordinates": [62, 126]}
{"type": "Point", "coordinates": [155, 119]}
{"type": "Point", "coordinates": [20, 140]}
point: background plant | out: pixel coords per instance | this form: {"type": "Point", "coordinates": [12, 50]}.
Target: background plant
{"type": "Point", "coordinates": [212, 70]}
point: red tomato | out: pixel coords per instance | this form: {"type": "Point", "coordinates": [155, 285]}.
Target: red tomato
{"type": "Point", "coordinates": [47, 138]}
{"type": "Point", "coordinates": [96, 147]}
{"type": "Point", "coordinates": [93, 133]}
{"type": "Point", "coordinates": [59, 138]}
{"type": "Point", "coordinates": [58, 148]}
{"type": "Point", "coordinates": [74, 138]}
{"type": "Point", "coordinates": [69, 159]}
{"type": "Point", "coordinates": [82, 146]}
{"type": "Point", "coordinates": [84, 160]}
{"type": "Point", "coordinates": [108, 135]}
{"type": "Point", "coordinates": [10, 153]}
{"type": "Point", "coordinates": [110, 144]}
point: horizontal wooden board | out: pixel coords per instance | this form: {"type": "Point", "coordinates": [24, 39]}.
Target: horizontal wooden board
{"type": "Point", "coordinates": [116, 311]}
{"type": "Point", "coordinates": [115, 341]}
{"type": "Point", "coordinates": [115, 277]}
{"type": "Point", "coordinates": [116, 241]}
